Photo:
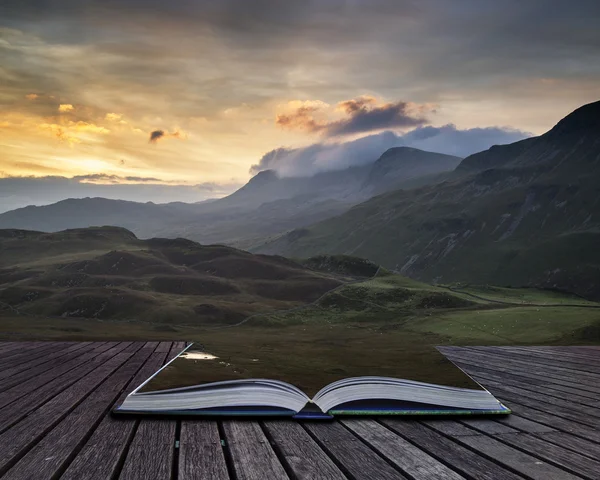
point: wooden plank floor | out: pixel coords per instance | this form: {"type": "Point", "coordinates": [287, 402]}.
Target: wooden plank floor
{"type": "Point", "coordinates": [55, 400]}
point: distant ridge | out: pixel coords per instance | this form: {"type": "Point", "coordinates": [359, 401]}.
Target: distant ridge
{"type": "Point", "coordinates": [267, 205]}
{"type": "Point", "coordinates": [522, 214]}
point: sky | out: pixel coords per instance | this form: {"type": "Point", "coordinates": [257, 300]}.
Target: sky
{"type": "Point", "coordinates": [185, 100]}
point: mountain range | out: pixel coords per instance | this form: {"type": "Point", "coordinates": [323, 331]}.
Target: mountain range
{"type": "Point", "coordinates": [527, 213]}
{"type": "Point", "coordinates": [267, 205]}
{"type": "Point", "coordinates": [523, 214]}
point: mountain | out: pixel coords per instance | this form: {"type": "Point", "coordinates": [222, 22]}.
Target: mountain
{"type": "Point", "coordinates": [108, 273]}
{"type": "Point", "coordinates": [527, 213]}
{"type": "Point", "coordinates": [266, 206]}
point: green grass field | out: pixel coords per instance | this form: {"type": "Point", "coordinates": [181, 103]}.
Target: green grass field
{"type": "Point", "coordinates": [388, 309]}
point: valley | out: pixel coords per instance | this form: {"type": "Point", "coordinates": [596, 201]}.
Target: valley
{"type": "Point", "coordinates": [173, 289]}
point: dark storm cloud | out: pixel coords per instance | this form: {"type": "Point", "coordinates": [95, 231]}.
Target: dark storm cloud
{"type": "Point", "coordinates": [156, 135]}
{"type": "Point", "coordinates": [363, 115]}
{"type": "Point", "coordinates": [324, 157]}
{"type": "Point", "coordinates": [364, 118]}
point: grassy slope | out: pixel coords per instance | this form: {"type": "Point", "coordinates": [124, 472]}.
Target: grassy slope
{"type": "Point", "coordinates": [388, 310]}
{"type": "Point", "coordinates": [108, 274]}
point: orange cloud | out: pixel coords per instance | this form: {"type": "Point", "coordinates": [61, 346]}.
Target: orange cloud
{"type": "Point", "coordinates": [360, 115]}
{"type": "Point", "coordinates": [65, 107]}
{"type": "Point", "coordinates": [113, 117]}
{"type": "Point", "coordinates": [301, 119]}
{"type": "Point", "coordinates": [31, 96]}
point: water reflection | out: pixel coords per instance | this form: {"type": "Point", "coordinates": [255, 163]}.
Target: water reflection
{"type": "Point", "coordinates": [198, 356]}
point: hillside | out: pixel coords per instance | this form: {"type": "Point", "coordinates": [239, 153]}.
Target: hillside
{"type": "Point", "coordinates": [520, 214]}
{"type": "Point", "coordinates": [267, 205]}
{"type": "Point", "coordinates": [107, 273]}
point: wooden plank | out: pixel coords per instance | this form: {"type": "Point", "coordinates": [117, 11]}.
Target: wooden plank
{"type": "Point", "coordinates": [571, 442]}
{"type": "Point", "coordinates": [572, 413]}
{"type": "Point", "coordinates": [142, 460]}
{"type": "Point", "coordinates": [529, 365]}
{"type": "Point", "coordinates": [7, 347]}
{"type": "Point", "coordinates": [44, 364]}
{"type": "Point", "coordinates": [458, 457]}
{"type": "Point", "coordinates": [573, 406]}
{"type": "Point", "coordinates": [252, 456]}
{"type": "Point", "coordinates": [553, 354]}
{"type": "Point", "coordinates": [488, 426]}
{"type": "Point", "coordinates": [299, 452]}
{"type": "Point", "coordinates": [554, 454]}
{"type": "Point", "coordinates": [557, 422]}
{"type": "Point", "coordinates": [101, 457]}
{"type": "Point", "coordinates": [354, 458]}
{"type": "Point", "coordinates": [411, 460]}
{"type": "Point", "coordinates": [15, 441]}
{"type": "Point", "coordinates": [510, 379]}
{"type": "Point", "coordinates": [539, 388]}
{"type": "Point", "coordinates": [523, 424]}
{"type": "Point", "coordinates": [200, 451]}
{"type": "Point", "coordinates": [50, 456]}
{"type": "Point", "coordinates": [467, 361]}
{"type": "Point", "coordinates": [25, 360]}
{"type": "Point", "coordinates": [451, 428]}
{"type": "Point", "coordinates": [539, 359]}
{"type": "Point", "coordinates": [15, 411]}
{"type": "Point", "coordinates": [146, 438]}
{"type": "Point", "coordinates": [517, 460]}
{"type": "Point", "coordinates": [34, 383]}
{"type": "Point", "coordinates": [32, 348]}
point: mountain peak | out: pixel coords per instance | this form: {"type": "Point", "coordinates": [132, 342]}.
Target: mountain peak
{"type": "Point", "coordinates": [580, 121]}
{"type": "Point", "coordinates": [264, 177]}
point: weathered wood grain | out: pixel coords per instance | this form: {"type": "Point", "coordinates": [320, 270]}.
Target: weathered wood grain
{"type": "Point", "coordinates": [554, 421]}
{"type": "Point", "coordinates": [49, 457]}
{"type": "Point", "coordinates": [37, 380]}
{"type": "Point", "coordinates": [251, 453]}
{"type": "Point", "coordinates": [150, 455]}
{"type": "Point", "coordinates": [460, 458]}
{"type": "Point", "coordinates": [15, 411]}
{"type": "Point", "coordinates": [148, 437]}
{"type": "Point", "coordinates": [299, 452]}
{"type": "Point", "coordinates": [102, 455]}
{"type": "Point", "coordinates": [409, 459]}
{"type": "Point", "coordinates": [538, 384]}
{"type": "Point", "coordinates": [567, 460]}
{"type": "Point", "coordinates": [15, 441]}
{"type": "Point", "coordinates": [200, 452]}
{"type": "Point", "coordinates": [351, 454]}
{"type": "Point", "coordinates": [497, 360]}
{"type": "Point", "coordinates": [571, 442]}
{"type": "Point", "coordinates": [54, 422]}
{"type": "Point", "coordinates": [514, 459]}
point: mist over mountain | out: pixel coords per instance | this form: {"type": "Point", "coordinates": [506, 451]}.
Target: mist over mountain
{"type": "Point", "coordinates": [267, 205]}
{"type": "Point", "coordinates": [320, 157]}
{"type": "Point", "coordinates": [527, 213]}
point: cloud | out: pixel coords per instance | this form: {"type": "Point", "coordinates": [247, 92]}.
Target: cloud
{"type": "Point", "coordinates": [31, 96]}
{"type": "Point", "coordinates": [113, 117]}
{"type": "Point", "coordinates": [362, 114]}
{"type": "Point", "coordinates": [156, 135]}
{"type": "Point", "coordinates": [65, 107]}
{"type": "Point", "coordinates": [18, 191]}
{"type": "Point", "coordinates": [321, 157]}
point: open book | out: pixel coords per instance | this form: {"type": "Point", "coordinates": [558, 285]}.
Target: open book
{"type": "Point", "coordinates": [197, 382]}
